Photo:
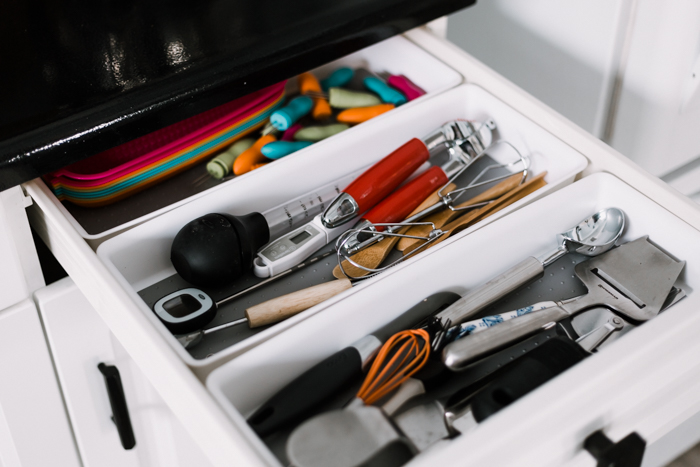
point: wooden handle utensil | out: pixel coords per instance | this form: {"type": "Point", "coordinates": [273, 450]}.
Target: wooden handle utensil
{"type": "Point", "coordinates": [443, 217]}
{"type": "Point", "coordinates": [280, 308]}
{"type": "Point", "coordinates": [473, 217]}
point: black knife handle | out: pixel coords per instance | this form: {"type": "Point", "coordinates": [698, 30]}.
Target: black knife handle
{"type": "Point", "coordinates": [120, 412]}
{"type": "Point", "coordinates": [307, 391]}
{"type": "Point", "coordinates": [527, 373]}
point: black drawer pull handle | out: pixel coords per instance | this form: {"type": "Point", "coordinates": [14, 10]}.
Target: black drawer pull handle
{"type": "Point", "coordinates": [628, 452]}
{"type": "Point", "coordinates": [120, 412]}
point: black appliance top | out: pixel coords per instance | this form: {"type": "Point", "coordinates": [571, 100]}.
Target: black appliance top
{"type": "Point", "coordinates": [81, 77]}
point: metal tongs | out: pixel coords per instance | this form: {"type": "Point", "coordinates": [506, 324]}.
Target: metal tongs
{"type": "Point", "coordinates": [465, 144]}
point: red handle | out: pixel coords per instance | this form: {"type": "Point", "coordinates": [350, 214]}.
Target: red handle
{"type": "Point", "coordinates": [406, 86]}
{"type": "Point", "coordinates": [399, 205]}
{"type": "Point", "coordinates": [382, 178]}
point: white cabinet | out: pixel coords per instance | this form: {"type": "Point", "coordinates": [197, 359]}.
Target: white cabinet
{"type": "Point", "coordinates": [79, 342]}
{"type": "Point", "coordinates": [225, 438]}
{"type": "Point", "coordinates": [34, 428]}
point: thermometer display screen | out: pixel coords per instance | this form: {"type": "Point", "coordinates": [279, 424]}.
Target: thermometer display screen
{"type": "Point", "coordinates": [297, 239]}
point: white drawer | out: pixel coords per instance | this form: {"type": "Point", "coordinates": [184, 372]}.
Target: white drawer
{"type": "Point", "coordinates": [141, 256]}
{"type": "Point", "coordinates": [79, 342]}
{"type": "Point", "coordinates": [31, 410]}
{"type": "Point", "coordinates": [224, 436]}
{"type": "Point", "coordinates": [604, 392]}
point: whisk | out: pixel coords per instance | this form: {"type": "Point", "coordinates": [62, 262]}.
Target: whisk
{"type": "Point", "coordinates": [404, 354]}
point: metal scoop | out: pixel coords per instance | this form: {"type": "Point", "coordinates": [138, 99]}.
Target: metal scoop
{"type": "Point", "coordinates": [591, 237]}
{"type": "Point", "coordinates": [632, 280]}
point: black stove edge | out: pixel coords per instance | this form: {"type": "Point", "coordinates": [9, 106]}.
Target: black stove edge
{"type": "Point", "coordinates": [122, 119]}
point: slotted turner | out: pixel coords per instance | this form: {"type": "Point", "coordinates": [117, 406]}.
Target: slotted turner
{"type": "Point", "coordinates": [632, 280]}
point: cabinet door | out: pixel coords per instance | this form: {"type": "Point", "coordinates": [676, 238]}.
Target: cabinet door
{"type": "Point", "coordinates": [34, 429]}
{"type": "Point", "coordinates": [80, 341]}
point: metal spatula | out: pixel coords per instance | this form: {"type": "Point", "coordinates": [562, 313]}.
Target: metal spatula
{"type": "Point", "coordinates": [632, 280]}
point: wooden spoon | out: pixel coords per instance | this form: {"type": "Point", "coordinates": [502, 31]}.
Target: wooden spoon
{"type": "Point", "coordinates": [443, 217]}
{"type": "Point", "coordinates": [473, 217]}
{"type": "Point", "coordinates": [372, 256]}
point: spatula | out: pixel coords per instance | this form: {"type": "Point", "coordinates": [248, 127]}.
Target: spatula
{"type": "Point", "coordinates": [632, 280]}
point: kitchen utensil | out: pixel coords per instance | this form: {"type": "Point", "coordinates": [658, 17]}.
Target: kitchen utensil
{"type": "Point", "coordinates": [355, 437]}
{"type": "Point", "coordinates": [279, 149]}
{"type": "Point", "coordinates": [222, 165]}
{"type": "Point", "coordinates": [425, 424]}
{"type": "Point", "coordinates": [404, 354]}
{"type": "Point", "coordinates": [361, 240]}
{"type": "Point", "coordinates": [462, 141]}
{"type": "Point", "coordinates": [296, 108]}
{"type": "Point", "coordinates": [217, 248]}
{"type": "Point", "coordinates": [309, 83]}
{"type": "Point", "coordinates": [593, 339]}
{"type": "Point", "coordinates": [406, 86]}
{"type": "Point", "coordinates": [442, 218]}
{"type": "Point", "coordinates": [247, 159]}
{"type": "Point", "coordinates": [369, 189]}
{"type": "Point", "coordinates": [338, 370]}
{"type": "Point", "coordinates": [363, 435]}
{"type": "Point", "coordinates": [193, 296]}
{"type": "Point", "coordinates": [341, 98]}
{"type": "Point", "coordinates": [374, 255]}
{"type": "Point", "coordinates": [438, 235]}
{"type": "Point", "coordinates": [592, 236]}
{"type": "Point", "coordinates": [188, 310]}
{"type": "Point", "coordinates": [362, 114]}
{"type": "Point", "coordinates": [632, 280]}
{"type": "Point", "coordinates": [317, 133]}
{"type": "Point", "coordinates": [319, 293]}
{"type": "Point", "coordinates": [385, 92]}
{"type": "Point", "coordinates": [300, 243]}
{"type": "Point", "coordinates": [338, 78]}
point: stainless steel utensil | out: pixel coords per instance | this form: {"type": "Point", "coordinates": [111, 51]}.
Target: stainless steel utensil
{"type": "Point", "coordinates": [632, 280]}
{"type": "Point", "coordinates": [591, 237]}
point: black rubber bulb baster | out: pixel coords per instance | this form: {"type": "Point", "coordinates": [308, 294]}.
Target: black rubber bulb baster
{"type": "Point", "coordinates": [216, 249]}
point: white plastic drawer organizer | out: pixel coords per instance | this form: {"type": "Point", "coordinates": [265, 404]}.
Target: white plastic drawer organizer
{"type": "Point", "coordinates": [565, 411]}
{"type": "Point", "coordinates": [140, 257]}
{"type": "Point", "coordinates": [392, 56]}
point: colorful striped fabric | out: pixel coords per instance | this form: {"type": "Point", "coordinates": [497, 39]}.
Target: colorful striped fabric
{"type": "Point", "coordinates": [118, 173]}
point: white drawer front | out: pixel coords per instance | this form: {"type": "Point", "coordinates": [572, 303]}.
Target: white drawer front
{"type": "Point", "coordinates": [80, 341]}
{"type": "Point", "coordinates": [34, 429]}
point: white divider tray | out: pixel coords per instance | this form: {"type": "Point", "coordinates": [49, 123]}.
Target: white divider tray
{"type": "Point", "coordinates": [397, 55]}
{"type": "Point", "coordinates": [463, 263]}
{"type": "Point", "coordinates": [140, 257]}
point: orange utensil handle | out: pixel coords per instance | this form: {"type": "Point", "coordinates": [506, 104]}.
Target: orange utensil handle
{"type": "Point", "coordinates": [252, 156]}
{"type": "Point", "coordinates": [382, 178]}
{"type": "Point", "coordinates": [362, 114]}
{"type": "Point", "coordinates": [401, 203]}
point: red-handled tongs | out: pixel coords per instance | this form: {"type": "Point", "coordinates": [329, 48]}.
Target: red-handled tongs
{"type": "Point", "coordinates": [367, 192]}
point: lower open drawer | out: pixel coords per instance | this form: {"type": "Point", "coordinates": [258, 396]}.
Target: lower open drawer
{"type": "Point", "coordinates": [549, 424]}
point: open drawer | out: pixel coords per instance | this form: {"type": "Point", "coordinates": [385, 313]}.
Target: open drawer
{"type": "Point", "coordinates": [223, 437]}
{"type": "Point", "coordinates": [586, 398]}
{"type": "Point", "coordinates": [140, 258]}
